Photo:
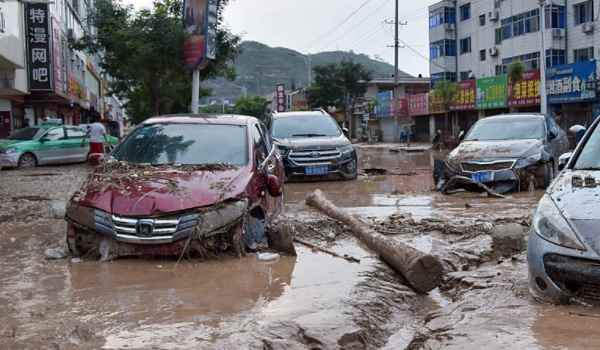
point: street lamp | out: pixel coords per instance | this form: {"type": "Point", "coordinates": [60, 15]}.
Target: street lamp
{"type": "Point", "coordinates": [308, 61]}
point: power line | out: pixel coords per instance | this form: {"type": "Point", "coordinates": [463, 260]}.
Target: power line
{"type": "Point", "coordinates": [336, 27]}
{"type": "Point", "coordinates": [368, 16]}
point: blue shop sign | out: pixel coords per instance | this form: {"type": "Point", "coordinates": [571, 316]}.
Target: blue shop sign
{"type": "Point", "coordinates": [571, 82]}
{"type": "Point", "coordinates": [384, 104]}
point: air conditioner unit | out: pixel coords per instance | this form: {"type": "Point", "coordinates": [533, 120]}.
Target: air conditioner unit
{"type": "Point", "coordinates": [494, 16]}
{"type": "Point", "coordinates": [588, 27]}
{"type": "Point", "coordinates": [493, 51]}
{"type": "Point", "coordinates": [558, 33]}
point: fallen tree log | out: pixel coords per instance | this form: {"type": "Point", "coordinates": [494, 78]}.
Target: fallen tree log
{"type": "Point", "coordinates": [422, 271]}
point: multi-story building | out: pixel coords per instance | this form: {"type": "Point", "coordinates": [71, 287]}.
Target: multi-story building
{"type": "Point", "coordinates": [475, 41]}
{"type": "Point", "coordinates": [41, 75]}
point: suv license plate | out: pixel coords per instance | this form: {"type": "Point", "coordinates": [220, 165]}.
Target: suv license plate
{"type": "Point", "coordinates": [482, 176]}
{"type": "Point", "coordinates": [316, 170]}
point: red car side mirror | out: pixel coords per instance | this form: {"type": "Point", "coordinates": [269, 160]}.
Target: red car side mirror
{"type": "Point", "coordinates": [274, 186]}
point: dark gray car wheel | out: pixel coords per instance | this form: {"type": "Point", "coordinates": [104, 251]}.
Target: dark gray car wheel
{"type": "Point", "coordinates": [27, 161]}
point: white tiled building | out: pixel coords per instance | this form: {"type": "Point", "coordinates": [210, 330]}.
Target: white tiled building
{"type": "Point", "coordinates": [472, 39]}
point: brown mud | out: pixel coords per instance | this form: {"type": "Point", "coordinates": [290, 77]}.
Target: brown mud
{"type": "Point", "coordinates": [312, 301]}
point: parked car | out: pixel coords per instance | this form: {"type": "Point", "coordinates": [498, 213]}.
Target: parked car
{"type": "Point", "coordinates": [509, 152]}
{"type": "Point", "coordinates": [180, 182]}
{"type": "Point", "coordinates": [313, 146]}
{"type": "Point", "coordinates": [564, 244]}
{"type": "Point", "coordinates": [46, 144]}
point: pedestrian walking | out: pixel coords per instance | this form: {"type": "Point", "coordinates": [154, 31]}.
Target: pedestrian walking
{"type": "Point", "coordinates": [97, 135]}
{"type": "Point", "coordinates": [438, 141]}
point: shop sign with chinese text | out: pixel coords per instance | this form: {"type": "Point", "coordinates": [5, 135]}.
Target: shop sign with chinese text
{"type": "Point", "coordinates": [418, 104]}
{"type": "Point", "coordinates": [492, 92]}
{"type": "Point", "coordinates": [572, 82]}
{"type": "Point", "coordinates": [400, 107]}
{"type": "Point", "coordinates": [37, 27]}
{"type": "Point", "coordinates": [465, 96]}
{"type": "Point", "coordinates": [525, 92]}
{"type": "Point", "coordinates": [281, 97]}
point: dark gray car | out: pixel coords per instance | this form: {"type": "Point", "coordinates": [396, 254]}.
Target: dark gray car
{"type": "Point", "coordinates": [509, 152]}
{"type": "Point", "coordinates": [313, 146]}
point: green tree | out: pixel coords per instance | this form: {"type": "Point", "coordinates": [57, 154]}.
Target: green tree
{"type": "Point", "coordinates": [339, 85]}
{"type": "Point", "coordinates": [254, 106]}
{"type": "Point", "coordinates": [515, 71]}
{"type": "Point", "coordinates": [142, 51]}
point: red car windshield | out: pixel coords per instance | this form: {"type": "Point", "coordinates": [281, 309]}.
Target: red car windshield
{"type": "Point", "coordinates": [185, 144]}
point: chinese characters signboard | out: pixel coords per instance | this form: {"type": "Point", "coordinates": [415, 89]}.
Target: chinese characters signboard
{"type": "Point", "coordinates": [200, 21]}
{"type": "Point", "coordinates": [465, 96]}
{"type": "Point", "coordinates": [525, 92]}
{"type": "Point", "coordinates": [281, 98]}
{"type": "Point", "coordinates": [384, 104]}
{"type": "Point", "coordinates": [38, 46]}
{"type": "Point", "coordinates": [492, 92]}
{"type": "Point", "coordinates": [436, 105]}
{"type": "Point", "coordinates": [58, 42]}
{"type": "Point", "coordinates": [572, 82]}
{"type": "Point", "coordinates": [418, 104]}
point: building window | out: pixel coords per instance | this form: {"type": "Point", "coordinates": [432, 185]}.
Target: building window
{"type": "Point", "coordinates": [466, 75]}
{"type": "Point", "coordinates": [442, 48]}
{"type": "Point", "coordinates": [465, 45]}
{"type": "Point", "coordinates": [582, 55]}
{"type": "Point", "coordinates": [441, 16]}
{"type": "Point", "coordinates": [465, 12]}
{"type": "Point", "coordinates": [498, 36]}
{"type": "Point", "coordinates": [530, 61]}
{"type": "Point", "coordinates": [521, 24]}
{"type": "Point", "coordinates": [584, 12]}
{"type": "Point", "coordinates": [500, 69]}
{"type": "Point", "coordinates": [482, 55]}
{"type": "Point", "coordinates": [555, 16]}
{"type": "Point", "coordinates": [436, 77]}
{"type": "Point", "coordinates": [555, 57]}
{"type": "Point", "coordinates": [482, 20]}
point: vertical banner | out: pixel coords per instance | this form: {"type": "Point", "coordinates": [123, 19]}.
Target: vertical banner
{"type": "Point", "coordinates": [200, 21]}
{"type": "Point", "coordinates": [281, 98]}
{"type": "Point", "coordinates": [37, 29]}
{"type": "Point", "coordinates": [57, 59]}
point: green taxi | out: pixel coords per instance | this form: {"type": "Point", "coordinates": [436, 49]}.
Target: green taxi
{"type": "Point", "coordinates": [46, 144]}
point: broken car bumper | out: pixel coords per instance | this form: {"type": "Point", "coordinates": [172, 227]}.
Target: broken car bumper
{"type": "Point", "coordinates": [557, 273]}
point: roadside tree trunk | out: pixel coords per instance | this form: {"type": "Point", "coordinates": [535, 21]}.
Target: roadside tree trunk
{"type": "Point", "coordinates": [423, 272]}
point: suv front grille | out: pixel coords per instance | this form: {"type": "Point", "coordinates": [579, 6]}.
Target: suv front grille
{"type": "Point", "coordinates": [487, 166]}
{"type": "Point", "coordinates": [312, 156]}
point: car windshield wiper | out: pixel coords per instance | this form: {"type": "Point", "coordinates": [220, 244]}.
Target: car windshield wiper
{"type": "Point", "coordinates": [588, 169]}
{"type": "Point", "coordinates": [308, 135]}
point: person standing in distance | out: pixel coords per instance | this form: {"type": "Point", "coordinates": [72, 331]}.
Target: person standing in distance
{"type": "Point", "coordinates": [97, 135]}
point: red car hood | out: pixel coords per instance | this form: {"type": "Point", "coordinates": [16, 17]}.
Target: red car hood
{"type": "Point", "coordinates": [163, 192]}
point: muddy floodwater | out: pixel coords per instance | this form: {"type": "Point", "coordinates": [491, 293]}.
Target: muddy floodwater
{"type": "Point", "coordinates": [312, 301]}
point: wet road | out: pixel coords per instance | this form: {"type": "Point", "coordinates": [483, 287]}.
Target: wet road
{"type": "Point", "coordinates": [311, 301]}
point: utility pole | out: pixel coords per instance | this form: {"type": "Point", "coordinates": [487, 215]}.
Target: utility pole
{"type": "Point", "coordinates": [543, 92]}
{"type": "Point", "coordinates": [195, 90]}
{"type": "Point", "coordinates": [396, 46]}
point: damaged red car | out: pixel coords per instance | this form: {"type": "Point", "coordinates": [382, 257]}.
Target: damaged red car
{"type": "Point", "coordinates": [193, 184]}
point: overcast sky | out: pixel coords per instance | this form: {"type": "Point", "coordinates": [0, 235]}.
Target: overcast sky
{"type": "Point", "coordinates": [311, 26]}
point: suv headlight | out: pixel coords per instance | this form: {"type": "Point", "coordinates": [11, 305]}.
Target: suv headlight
{"type": "Point", "coordinates": [346, 149]}
{"type": "Point", "coordinates": [283, 150]}
{"type": "Point", "coordinates": [551, 225]}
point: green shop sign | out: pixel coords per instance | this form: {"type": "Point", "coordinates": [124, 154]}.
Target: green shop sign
{"type": "Point", "coordinates": [492, 92]}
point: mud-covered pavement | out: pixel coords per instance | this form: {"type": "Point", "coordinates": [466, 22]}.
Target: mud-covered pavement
{"type": "Point", "coordinates": [313, 301]}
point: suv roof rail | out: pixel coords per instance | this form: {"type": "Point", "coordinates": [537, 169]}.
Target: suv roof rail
{"type": "Point", "coordinates": [320, 110]}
